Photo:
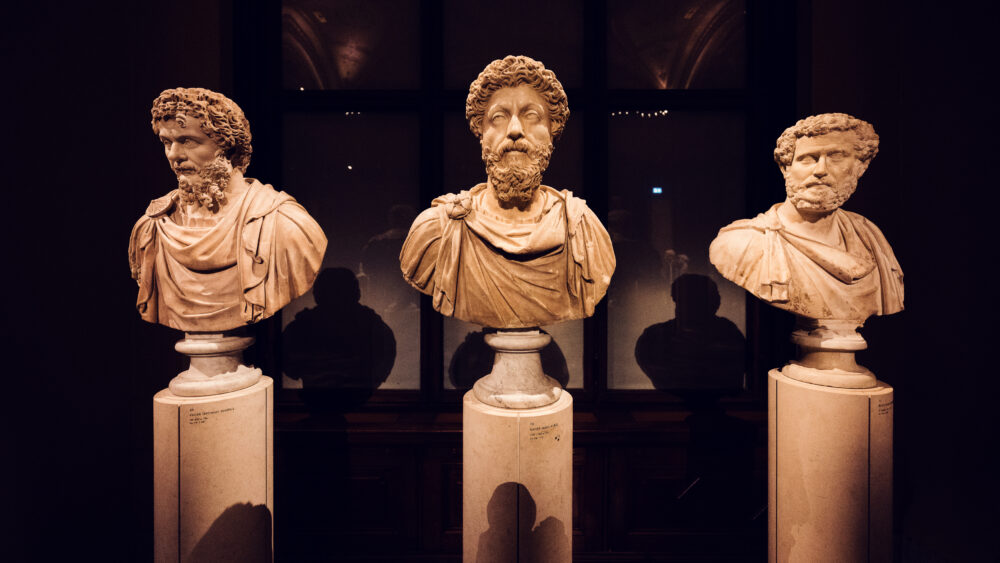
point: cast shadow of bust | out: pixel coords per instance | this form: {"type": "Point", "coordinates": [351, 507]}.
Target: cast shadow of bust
{"type": "Point", "coordinates": [474, 359]}
{"type": "Point", "coordinates": [513, 536]}
{"type": "Point", "coordinates": [697, 349]}
{"type": "Point", "coordinates": [700, 357]}
{"type": "Point", "coordinates": [341, 350]}
{"type": "Point", "coordinates": [241, 534]}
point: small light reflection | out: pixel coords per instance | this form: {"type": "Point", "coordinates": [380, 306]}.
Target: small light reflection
{"type": "Point", "coordinates": [349, 167]}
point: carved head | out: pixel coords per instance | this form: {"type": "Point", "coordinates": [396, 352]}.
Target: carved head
{"type": "Point", "coordinates": [822, 157]}
{"type": "Point", "coordinates": [510, 72]}
{"type": "Point", "coordinates": [516, 107]}
{"type": "Point", "coordinates": [218, 117]}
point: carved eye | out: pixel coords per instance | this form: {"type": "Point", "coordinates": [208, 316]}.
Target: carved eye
{"type": "Point", "coordinates": [498, 118]}
{"type": "Point", "coordinates": [807, 159]}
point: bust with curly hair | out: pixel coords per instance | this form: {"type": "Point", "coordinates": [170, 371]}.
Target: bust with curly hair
{"type": "Point", "coordinates": [806, 255]}
{"type": "Point", "coordinates": [511, 252]}
{"type": "Point", "coordinates": [221, 250]}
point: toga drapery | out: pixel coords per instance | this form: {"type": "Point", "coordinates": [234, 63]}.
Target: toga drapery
{"type": "Point", "coordinates": [264, 251]}
{"type": "Point", "coordinates": [807, 277]}
{"type": "Point", "coordinates": [487, 270]}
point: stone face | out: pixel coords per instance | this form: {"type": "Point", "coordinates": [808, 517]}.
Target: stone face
{"type": "Point", "coordinates": [220, 251]}
{"type": "Point", "coordinates": [806, 255]}
{"type": "Point", "coordinates": [511, 252]}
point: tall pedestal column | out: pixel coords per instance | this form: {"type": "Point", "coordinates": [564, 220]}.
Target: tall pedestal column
{"type": "Point", "coordinates": [517, 485]}
{"type": "Point", "coordinates": [213, 476]}
{"type": "Point", "coordinates": [830, 472]}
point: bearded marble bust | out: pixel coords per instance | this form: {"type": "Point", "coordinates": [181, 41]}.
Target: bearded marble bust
{"type": "Point", "coordinates": [807, 255]}
{"type": "Point", "coordinates": [511, 252]}
{"type": "Point", "coordinates": [221, 250]}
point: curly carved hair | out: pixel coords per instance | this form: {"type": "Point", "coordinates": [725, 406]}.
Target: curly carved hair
{"type": "Point", "coordinates": [221, 119]}
{"type": "Point", "coordinates": [866, 145]}
{"type": "Point", "coordinates": [510, 72]}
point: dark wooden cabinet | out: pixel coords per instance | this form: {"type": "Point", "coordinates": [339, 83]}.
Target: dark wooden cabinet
{"type": "Point", "coordinates": [647, 486]}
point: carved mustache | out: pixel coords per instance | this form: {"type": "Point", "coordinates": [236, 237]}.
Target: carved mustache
{"type": "Point", "coordinates": [520, 145]}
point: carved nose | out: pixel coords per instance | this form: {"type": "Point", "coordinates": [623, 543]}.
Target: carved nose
{"type": "Point", "coordinates": [514, 130]}
{"type": "Point", "coordinates": [175, 152]}
{"type": "Point", "coordinates": [820, 170]}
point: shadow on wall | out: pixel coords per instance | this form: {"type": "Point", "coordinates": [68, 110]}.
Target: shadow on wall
{"type": "Point", "coordinates": [241, 534]}
{"type": "Point", "coordinates": [340, 350]}
{"type": "Point", "coordinates": [513, 536]}
{"type": "Point", "coordinates": [474, 359]}
{"type": "Point", "coordinates": [696, 349]}
{"type": "Point", "coordinates": [700, 357]}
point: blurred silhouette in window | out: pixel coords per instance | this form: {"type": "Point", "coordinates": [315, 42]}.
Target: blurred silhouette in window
{"type": "Point", "coordinates": [696, 349]}
{"type": "Point", "coordinates": [340, 350]}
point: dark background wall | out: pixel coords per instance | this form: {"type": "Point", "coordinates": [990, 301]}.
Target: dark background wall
{"type": "Point", "coordinates": [78, 82]}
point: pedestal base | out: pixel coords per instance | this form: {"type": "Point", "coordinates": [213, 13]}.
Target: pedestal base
{"type": "Point", "coordinates": [829, 472]}
{"type": "Point", "coordinates": [213, 476]}
{"type": "Point", "coordinates": [517, 380]}
{"type": "Point", "coordinates": [517, 482]}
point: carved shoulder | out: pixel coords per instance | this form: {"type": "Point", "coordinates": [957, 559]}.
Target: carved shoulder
{"type": "Point", "coordinates": [736, 248]}
{"type": "Point", "coordinates": [161, 205]}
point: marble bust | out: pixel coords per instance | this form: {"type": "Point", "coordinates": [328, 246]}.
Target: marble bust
{"type": "Point", "coordinates": [221, 250]}
{"type": "Point", "coordinates": [511, 252]}
{"type": "Point", "coordinates": [807, 255]}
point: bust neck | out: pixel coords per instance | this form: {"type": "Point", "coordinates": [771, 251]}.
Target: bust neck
{"type": "Point", "coordinates": [510, 212]}
{"type": "Point", "coordinates": [819, 226]}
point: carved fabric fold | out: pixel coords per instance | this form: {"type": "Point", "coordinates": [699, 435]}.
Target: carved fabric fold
{"type": "Point", "coordinates": [494, 272]}
{"type": "Point", "coordinates": [264, 251]}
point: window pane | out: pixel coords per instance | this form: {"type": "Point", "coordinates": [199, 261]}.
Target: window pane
{"type": "Point", "coordinates": [365, 196]}
{"type": "Point", "coordinates": [350, 44]}
{"type": "Point", "coordinates": [476, 34]}
{"type": "Point", "coordinates": [676, 45]}
{"type": "Point", "coordinates": [670, 194]}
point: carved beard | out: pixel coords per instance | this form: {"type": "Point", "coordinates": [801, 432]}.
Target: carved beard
{"type": "Point", "coordinates": [516, 175]}
{"type": "Point", "coordinates": [209, 190]}
{"type": "Point", "coordinates": [831, 197]}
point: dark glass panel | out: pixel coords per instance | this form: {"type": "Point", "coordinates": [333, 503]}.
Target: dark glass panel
{"type": "Point", "coordinates": [357, 174]}
{"type": "Point", "coordinates": [350, 44]}
{"type": "Point", "coordinates": [476, 34]}
{"type": "Point", "coordinates": [669, 195]}
{"type": "Point", "coordinates": [692, 44]}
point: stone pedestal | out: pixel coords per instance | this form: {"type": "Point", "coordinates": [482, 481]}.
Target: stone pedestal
{"type": "Point", "coordinates": [216, 365]}
{"type": "Point", "coordinates": [213, 476]}
{"type": "Point", "coordinates": [517, 482]}
{"type": "Point", "coordinates": [517, 380]}
{"type": "Point", "coordinates": [829, 472]}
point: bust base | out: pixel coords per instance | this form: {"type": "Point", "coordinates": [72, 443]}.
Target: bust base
{"type": "Point", "coordinates": [517, 380]}
{"type": "Point", "coordinates": [826, 355]}
{"type": "Point", "coordinates": [216, 365]}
